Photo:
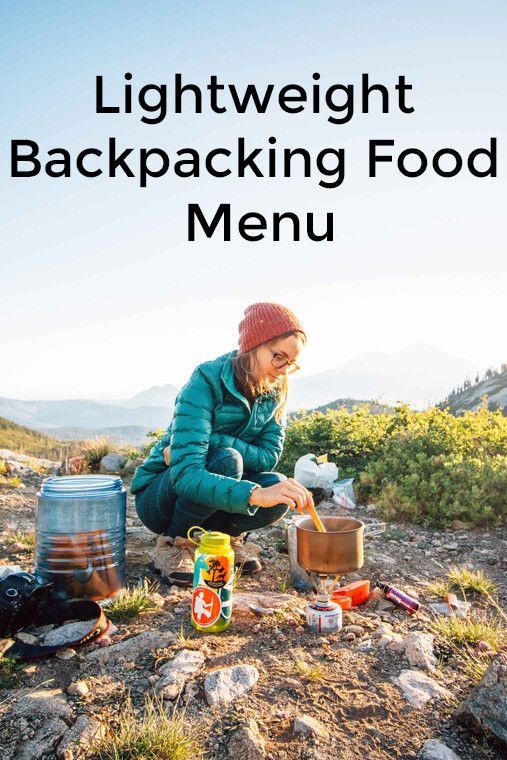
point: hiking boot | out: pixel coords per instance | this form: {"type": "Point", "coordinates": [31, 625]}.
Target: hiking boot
{"type": "Point", "coordinates": [174, 559]}
{"type": "Point", "coordinates": [246, 555]}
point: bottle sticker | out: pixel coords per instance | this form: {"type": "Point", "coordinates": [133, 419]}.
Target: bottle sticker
{"type": "Point", "coordinates": [217, 571]}
{"type": "Point", "coordinates": [206, 606]}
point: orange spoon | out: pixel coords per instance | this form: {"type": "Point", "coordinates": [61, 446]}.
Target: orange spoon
{"type": "Point", "coordinates": [316, 519]}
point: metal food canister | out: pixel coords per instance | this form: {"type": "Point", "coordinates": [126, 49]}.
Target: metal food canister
{"type": "Point", "coordinates": [80, 535]}
{"type": "Point", "coordinates": [323, 615]}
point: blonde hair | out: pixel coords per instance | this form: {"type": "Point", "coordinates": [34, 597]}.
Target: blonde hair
{"type": "Point", "coordinates": [245, 366]}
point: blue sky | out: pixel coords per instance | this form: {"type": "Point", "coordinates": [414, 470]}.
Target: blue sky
{"type": "Point", "coordinates": [102, 294]}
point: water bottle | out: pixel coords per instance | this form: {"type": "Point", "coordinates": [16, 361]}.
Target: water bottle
{"type": "Point", "coordinates": [213, 581]}
{"type": "Point", "coordinates": [80, 535]}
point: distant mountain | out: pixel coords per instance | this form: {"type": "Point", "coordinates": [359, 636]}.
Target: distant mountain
{"type": "Point", "coordinates": [469, 395]}
{"type": "Point", "coordinates": [419, 375]}
{"type": "Point", "coordinates": [134, 435]}
{"type": "Point", "coordinates": [82, 414]}
{"type": "Point", "coordinates": [157, 395]}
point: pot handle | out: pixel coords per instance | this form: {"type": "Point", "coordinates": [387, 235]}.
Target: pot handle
{"type": "Point", "coordinates": [374, 529]}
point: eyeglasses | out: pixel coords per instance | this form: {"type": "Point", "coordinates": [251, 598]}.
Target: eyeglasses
{"type": "Point", "coordinates": [279, 362]}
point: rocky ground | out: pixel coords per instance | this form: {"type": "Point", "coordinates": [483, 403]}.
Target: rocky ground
{"type": "Point", "coordinates": [267, 687]}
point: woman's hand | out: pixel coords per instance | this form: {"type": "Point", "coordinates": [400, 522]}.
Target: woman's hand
{"type": "Point", "coordinates": [167, 455]}
{"type": "Point", "coordinates": [288, 492]}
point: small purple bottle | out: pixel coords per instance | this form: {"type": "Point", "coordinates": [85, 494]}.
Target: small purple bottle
{"type": "Point", "coordinates": [399, 597]}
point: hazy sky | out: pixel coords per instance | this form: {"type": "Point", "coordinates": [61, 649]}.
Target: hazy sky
{"type": "Point", "coordinates": [102, 295]}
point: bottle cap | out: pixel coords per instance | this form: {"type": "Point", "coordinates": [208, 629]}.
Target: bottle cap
{"type": "Point", "coordinates": [214, 541]}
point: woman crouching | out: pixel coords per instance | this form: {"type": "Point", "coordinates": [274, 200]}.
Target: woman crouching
{"type": "Point", "coordinates": [213, 467]}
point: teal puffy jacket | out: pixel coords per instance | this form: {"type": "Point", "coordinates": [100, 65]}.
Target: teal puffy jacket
{"type": "Point", "coordinates": [210, 411]}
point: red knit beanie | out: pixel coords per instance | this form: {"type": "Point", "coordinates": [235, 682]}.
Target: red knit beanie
{"type": "Point", "coordinates": [263, 322]}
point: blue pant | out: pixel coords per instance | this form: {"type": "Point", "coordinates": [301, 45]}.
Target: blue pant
{"type": "Point", "coordinates": [164, 512]}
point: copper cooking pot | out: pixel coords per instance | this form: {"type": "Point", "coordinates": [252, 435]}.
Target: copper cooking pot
{"type": "Point", "coordinates": [339, 549]}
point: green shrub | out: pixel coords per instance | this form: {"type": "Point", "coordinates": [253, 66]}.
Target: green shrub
{"type": "Point", "coordinates": [437, 468]}
{"type": "Point", "coordinates": [426, 466]}
{"type": "Point", "coordinates": [349, 437]}
{"type": "Point", "coordinates": [152, 438]}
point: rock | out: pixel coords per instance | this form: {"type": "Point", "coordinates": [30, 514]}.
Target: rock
{"type": "Point", "coordinates": [453, 546]}
{"type": "Point", "coordinates": [419, 650]}
{"type": "Point", "coordinates": [177, 672]}
{"type": "Point", "coordinates": [157, 599]}
{"type": "Point", "coordinates": [79, 688]}
{"type": "Point", "coordinates": [191, 692]}
{"type": "Point", "coordinates": [131, 465]}
{"type": "Point", "coordinates": [357, 630]}
{"type": "Point", "coordinates": [27, 638]}
{"type": "Point", "coordinates": [78, 739]}
{"type": "Point", "coordinates": [435, 750]}
{"type": "Point", "coordinates": [129, 649]}
{"type": "Point", "coordinates": [225, 685]}
{"type": "Point", "coordinates": [381, 559]}
{"type": "Point", "coordinates": [47, 703]}
{"type": "Point", "coordinates": [251, 603]}
{"type": "Point", "coordinates": [484, 710]}
{"type": "Point", "coordinates": [418, 688]}
{"type": "Point", "coordinates": [395, 642]}
{"type": "Point", "coordinates": [66, 654]}
{"type": "Point", "coordinates": [364, 646]}
{"type": "Point", "coordinates": [67, 633]}
{"type": "Point", "coordinates": [349, 637]}
{"type": "Point", "coordinates": [112, 463]}
{"type": "Point", "coordinates": [246, 743]}
{"type": "Point", "coordinates": [305, 725]}
{"type": "Point", "coordinates": [384, 605]}
{"type": "Point", "coordinates": [43, 741]}
{"type": "Point", "coordinates": [382, 630]}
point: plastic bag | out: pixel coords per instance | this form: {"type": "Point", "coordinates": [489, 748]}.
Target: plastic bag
{"type": "Point", "coordinates": [311, 474]}
{"type": "Point", "coordinates": [343, 493]}
{"type": "Point", "coordinates": [6, 570]}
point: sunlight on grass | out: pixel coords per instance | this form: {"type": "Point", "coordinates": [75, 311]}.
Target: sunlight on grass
{"type": "Point", "coordinates": [25, 540]}
{"type": "Point", "coordinates": [479, 626]}
{"type": "Point", "coordinates": [313, 673]}
{"type": "Point", "coordinates": [465, 580]}
{"type": "Point", "coordinates": [285, 583]}
{"type": "Point", "coordinates": [12, 481]}
{"type": "Point", "coordinates": [151, 735]}
{"type": "Point", "coordinates": [133, 601]}
{"type": "Point", "coordinates": [10, 672]}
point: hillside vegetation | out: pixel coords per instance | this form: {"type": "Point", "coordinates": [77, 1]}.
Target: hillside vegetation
{"type": "Point", "coordinates": [430, 467]}
{"type": "Point", "coordinates": [25, 441]}
{"type": "Point", "coordinates": [470, 395]}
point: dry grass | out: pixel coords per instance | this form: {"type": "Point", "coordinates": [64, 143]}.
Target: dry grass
{"type": "Point", "coordinates": [133, 601]}
{"type": "Point", "coordinates": [11, 482]}
{"type": "Point", "coordinates": [479, 626]}
{"type": "Point", "coordinates": [474, 669]}
{"type": "Point", "coordinates": [152, 735]}
{"type": "Point", "coordinates": [26, 541]}
{"type": "Point", "coordinates": [285, 583]}
{"type": "Point", "coordinates": [312, 673]}
{"type": "Point", "coordinates": [462, 578]}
